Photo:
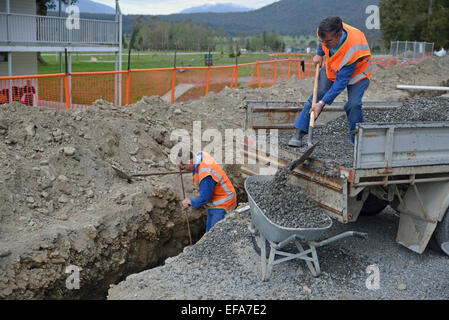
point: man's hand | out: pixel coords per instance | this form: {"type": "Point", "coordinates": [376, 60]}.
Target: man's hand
{"type": "Point", "coordinates": [317, 60]}
{"type": "Point", "coordinates": [186, 203]}
{"type": "Point", "coordinates": [317, 107]}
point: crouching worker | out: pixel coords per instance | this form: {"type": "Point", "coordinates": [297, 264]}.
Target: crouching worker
{"type": "Point", "coordinates": [216, 192]}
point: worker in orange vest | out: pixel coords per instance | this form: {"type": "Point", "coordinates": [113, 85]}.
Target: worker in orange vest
{"type": "Point", "coordinates": [348, 66]}
{"type": "Point", "coordinates": [216, 192]}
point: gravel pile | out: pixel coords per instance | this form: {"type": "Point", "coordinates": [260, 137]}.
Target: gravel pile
{"type": "Point", "coordinates": [287, 206]}
{"type": "Point", "coordinates": [224, 265]}
{"type": "Point", "coordinates": [335, 146]}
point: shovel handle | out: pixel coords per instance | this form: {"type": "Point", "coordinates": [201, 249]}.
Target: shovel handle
{"type": "Point", "coordinates": [315, 93]}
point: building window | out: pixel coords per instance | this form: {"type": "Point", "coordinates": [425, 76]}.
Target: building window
{"type": "Point", "coordinates": [3, 56]}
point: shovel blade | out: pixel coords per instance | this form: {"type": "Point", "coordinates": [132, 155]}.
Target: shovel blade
{"type": "Point", "coordinates": [303, 158]}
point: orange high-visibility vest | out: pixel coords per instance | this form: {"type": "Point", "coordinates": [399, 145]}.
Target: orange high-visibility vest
{"type": "Point", "coordinates": [224, 195]}
{"type": "Point", "coordinates": [354, 49]}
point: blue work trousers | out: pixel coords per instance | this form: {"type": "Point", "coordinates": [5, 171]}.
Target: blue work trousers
{"type": "Point", "coordinates": [213, 216]}
{"type": "Point", "coordinates": [353, 107]}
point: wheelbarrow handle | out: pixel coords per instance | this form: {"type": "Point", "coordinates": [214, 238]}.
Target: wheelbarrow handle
{"type": "Point", "coordinates": [362, 235]}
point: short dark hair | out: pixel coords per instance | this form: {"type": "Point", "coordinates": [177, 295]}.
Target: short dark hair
{"type": "Point", "coordinates": [330, 24]}
{"type": "Point", "coordinates": [184, 156]}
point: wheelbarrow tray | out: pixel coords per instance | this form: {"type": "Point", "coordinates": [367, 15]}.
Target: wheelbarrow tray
{"type": "Point", "coordinates": [272, 231]}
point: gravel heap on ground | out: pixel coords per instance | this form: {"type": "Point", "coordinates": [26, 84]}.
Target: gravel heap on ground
{"type": "Point", "coordinates": [224, 265]}
{"type": "Point", "coordinates": [335, 146]}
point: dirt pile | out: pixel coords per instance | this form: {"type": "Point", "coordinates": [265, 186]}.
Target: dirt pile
{"type": "Point", "coordinates": [62, 204]}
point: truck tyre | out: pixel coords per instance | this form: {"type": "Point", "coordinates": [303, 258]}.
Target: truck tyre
{"type": "Point", "coordinates": [373, 205]}
{"type": "Point", "coordinates": [442, 231]}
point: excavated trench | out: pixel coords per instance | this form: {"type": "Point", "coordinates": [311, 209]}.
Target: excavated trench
{"type": "Point", "coordinates": [108, 245]}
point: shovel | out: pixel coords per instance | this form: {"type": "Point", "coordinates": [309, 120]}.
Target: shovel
{"type": "Point", "coordinates": [292, 165]}
{"type": "Point", "coordinates": [312, 114]}
{"type": "Point", "coordinates": [128, 177]}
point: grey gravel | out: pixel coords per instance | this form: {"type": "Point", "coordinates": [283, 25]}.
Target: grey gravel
{"type": "Point", "coordinates": [335, 147]}
{"type": "Point", "coordinates": [287, 206]}
{"type": "Point", "coordinates": [224, 265]}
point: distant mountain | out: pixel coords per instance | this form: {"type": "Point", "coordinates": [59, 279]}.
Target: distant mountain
{"type": "Point", "coordinates": [294, 17]}
{"type": "Point", "coordinates": [89, 6]}
{"type": "Point", "coordinates": [287, 17]}
{"type": "Point", "coordinates": [219, 7]}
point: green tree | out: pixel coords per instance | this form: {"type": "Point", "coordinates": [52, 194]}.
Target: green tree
{"type": "Point", "coordinates": [417, 20]}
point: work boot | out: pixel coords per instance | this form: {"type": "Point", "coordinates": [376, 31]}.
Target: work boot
{"type": "Point", "coordinates": [296, 140]}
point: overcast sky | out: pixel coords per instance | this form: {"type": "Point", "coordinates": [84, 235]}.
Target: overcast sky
{"type": "Point", "coordinates": [155, 7]}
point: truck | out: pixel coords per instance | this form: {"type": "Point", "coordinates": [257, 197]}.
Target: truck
{"type": "Point", "coordinates": [402, 164]}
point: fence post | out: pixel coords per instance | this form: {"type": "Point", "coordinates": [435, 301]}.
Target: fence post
{"type": "Point", "coordinates": [128, 86]}
{"type": "Point", "coordinates": [275, 72]}
{"type": "Point", "coordinates": [289, 67]}
{"type": "Point", "coordinates": [258, 73]}
{"type": "Point", "coordinates": [236, 76]}
{"type": "Point", "coordinates": [308, 68]}
{"type": "Point", "coordinates": [173, 86]}
{"type": "Point", "coordinates": [67, 83]}
{"type": "Point", "coordinates": [208, 80]}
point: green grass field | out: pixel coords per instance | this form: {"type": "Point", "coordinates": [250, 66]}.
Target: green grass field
{"type": "Point", "coordinates": [94, 62]}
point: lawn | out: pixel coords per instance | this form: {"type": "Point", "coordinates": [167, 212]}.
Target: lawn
{"type": "Point", "coordinates": [94, 62]}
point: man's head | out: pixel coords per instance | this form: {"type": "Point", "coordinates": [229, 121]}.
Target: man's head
{"type": "Point", "coordinates": [185, 160]}
{"type": "Point", "coordinates": [329, 31]}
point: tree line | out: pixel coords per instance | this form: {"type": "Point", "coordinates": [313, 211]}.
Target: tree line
{"type": "Point", "coordinates": [418, 20]}
{"type": "Point", "coordinates": [156, 34]}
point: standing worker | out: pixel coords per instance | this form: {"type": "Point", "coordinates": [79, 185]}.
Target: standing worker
{"type": "Point", "coordinates": [217, 193]}
{"type": "Point", "coordinates": [29, 91]}
{"type": "Point", "coordinates": [348, 65]}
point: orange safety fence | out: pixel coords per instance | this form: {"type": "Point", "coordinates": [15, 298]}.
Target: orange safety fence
{"type": "Point", "coordinates": [81, 89]}
{"type": "Point", "coordinates": [43, 90]}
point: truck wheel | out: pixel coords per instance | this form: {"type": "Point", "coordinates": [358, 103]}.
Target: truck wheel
{"type": "Point", "coordinates": [442, 233]}
{"type": "Point", "coordinates": [373, 205]}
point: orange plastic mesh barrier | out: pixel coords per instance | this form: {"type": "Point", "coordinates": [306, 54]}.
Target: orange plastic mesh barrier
{"type": "Point", "coordinates": [81, 89]}
{"type": "Point", "coordinates": [86, 87]}
{"type": "Point", "coordinates": [148, 83]}
{"type": "Point", "coordinates": [42, 90]}
{"type": "Point", "coordinates": [190, 84]}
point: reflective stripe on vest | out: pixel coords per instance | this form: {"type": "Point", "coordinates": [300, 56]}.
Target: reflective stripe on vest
{"type": "Point", "coordinates": [361, 75]}
{"type": "Point", "coordinates": [221, 201]}
{"type": "Point", "coordinates": [351, 52]}
{"type": "Point", "coordinates": [222, 183]}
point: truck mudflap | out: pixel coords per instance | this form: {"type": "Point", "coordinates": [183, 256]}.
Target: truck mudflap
{"type": "Point", "coordinates": [421, 208]}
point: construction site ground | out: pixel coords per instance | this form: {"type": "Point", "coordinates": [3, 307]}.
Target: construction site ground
{"type": "Point", "coordinates": [62, 206]}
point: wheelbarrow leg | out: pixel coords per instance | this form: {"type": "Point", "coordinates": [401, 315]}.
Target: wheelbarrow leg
{"type": "Point", "coordinates": [270, 262]}
{"type": "Point", "coordinates": [263, 259]}
{"type": "Point", "coordinates": [313, 267]}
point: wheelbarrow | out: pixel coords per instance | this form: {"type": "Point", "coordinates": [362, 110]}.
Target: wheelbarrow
{"type": "Point", "coordinates": [278, 237]}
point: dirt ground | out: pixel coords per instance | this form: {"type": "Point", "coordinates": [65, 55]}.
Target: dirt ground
{"type": "Point", "coordinates": [62, 204]}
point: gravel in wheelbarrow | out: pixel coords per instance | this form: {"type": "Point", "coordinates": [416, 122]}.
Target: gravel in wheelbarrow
{"type": "Point", "coordinates": [286, 205]}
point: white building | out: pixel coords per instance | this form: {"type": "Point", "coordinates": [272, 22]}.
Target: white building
{"type": "Point", "coordinates": [23, 34]}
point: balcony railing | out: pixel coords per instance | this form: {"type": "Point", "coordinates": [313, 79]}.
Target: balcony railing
{"type": "Point", "coordinates": [45, 30]}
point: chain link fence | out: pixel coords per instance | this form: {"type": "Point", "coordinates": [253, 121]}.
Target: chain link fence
{"type": "Point", "coordinates": [411, 49]}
